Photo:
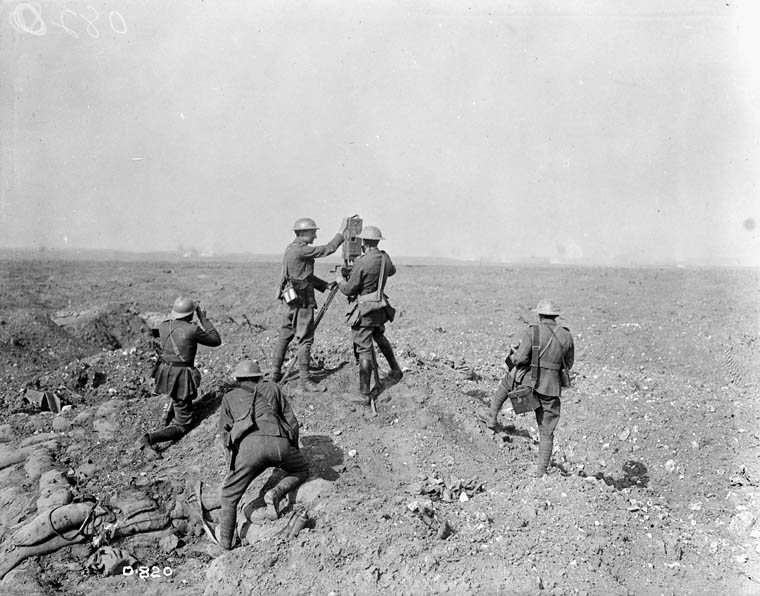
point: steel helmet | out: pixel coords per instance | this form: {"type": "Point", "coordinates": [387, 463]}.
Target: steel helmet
{"type": "Point", "coordinates": [370, 233]}
{"type": "Point", "coordinates": [246, 369]}
{"type": "Point", "coordinates": [305, 223]}
{"type": "Point", "coordinates": [183, 307]}
{"type": "Point", "coordinates": [547, 307]}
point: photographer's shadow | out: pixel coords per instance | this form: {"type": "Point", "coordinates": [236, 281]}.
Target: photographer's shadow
{"type": "Point", "coordinates": [322, 455]}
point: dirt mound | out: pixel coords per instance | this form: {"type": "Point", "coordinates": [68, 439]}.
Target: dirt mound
{"type": "Point", "coordinates": [110, 326]}
{"type": "Point", "coordinates": [30, 338]}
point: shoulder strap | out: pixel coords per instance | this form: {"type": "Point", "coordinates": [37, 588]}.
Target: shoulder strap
{"type": "Point", "coordinates": [377, 295]}
{"type": "Point", "coordinates": [253, 403]}
{"type": "Point", "coordinates": [170, 338]}
{"type": "Point", "coordinates": [534, 369]}
{"type": "Point", "coordinates": [380, 280]}
{"type": "Point", "coordinates": [561, 347]}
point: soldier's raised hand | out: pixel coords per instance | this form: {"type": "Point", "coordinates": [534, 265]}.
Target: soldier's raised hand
{"type": "Point", "coordinates": [200, 311]}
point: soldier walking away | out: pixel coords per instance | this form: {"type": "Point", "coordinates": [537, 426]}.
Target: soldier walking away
{"type": "Point", "coordinates": [556, 353]}
{"type": "Point", "coordinates": [176, 374]}
{"type": "Point", "coordinates": [259, 431]}
{"type": "Point", "coordinates": [296, 290]}
{"type": "Point", "coordinates": [371, 309]}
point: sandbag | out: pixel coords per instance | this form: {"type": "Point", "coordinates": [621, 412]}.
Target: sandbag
{"type": "Point", "coordinates": [63, 519]}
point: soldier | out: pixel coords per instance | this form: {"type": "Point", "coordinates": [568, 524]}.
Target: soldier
{"type": "Point", "coordinates": [176, 375]}
{"type": "Point", "coordinates": [259, 431]}
{"type": "Point", "coordinates": [371, 311]}
{"type": "Point", "coordinates": [556, 355]}
{"type": "Point", "coordinates": [298, 318]}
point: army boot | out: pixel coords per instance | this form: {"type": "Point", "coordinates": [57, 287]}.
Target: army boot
{"type": "Point", "coordinates": [387, 351]}
{"type": "Point", "coordinates": [277, 360]}
{"type": "Point", "coordinates": [544, 455]}
{"type": "Point", "coordinates": [271, 512]}
{"type": "Point", "coordinates": [497, 400]}
{"type": "Point", "coordinates": [305, 382]}
{"type": "Point", "coordinates": [365, 378]}
{"type": "Point", "coordinates": [225, 533]}
{"type": "Point", "coordinates": [144, 444]}
{"type": "Point", "coordinates": [167, 414]}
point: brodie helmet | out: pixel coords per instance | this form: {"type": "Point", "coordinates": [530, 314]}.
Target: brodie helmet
{"type": "Point", "coordinates": [183, 307]}
{"type": "Point", "coordinates": [547, 307]}
{"type": "Point", "coordinates": [305, 223]}
{"type": "Point", "coordinates": [247, 369]}
{"type": "Point", "coordinates": [370, 233]}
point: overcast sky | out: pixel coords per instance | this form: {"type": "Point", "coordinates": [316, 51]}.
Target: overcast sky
{"type": "Point", "coordinates": [608, 132]}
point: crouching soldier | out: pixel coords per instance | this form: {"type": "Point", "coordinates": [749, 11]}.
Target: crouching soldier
{"type": "Point", "coordinates": [176, 375]}
{"type": "Point", "coordinates": [371, 310]}
{"type": "Point", "coordinates": [259, 431]}
{"type": "Point", "coordinates": [548, 349]}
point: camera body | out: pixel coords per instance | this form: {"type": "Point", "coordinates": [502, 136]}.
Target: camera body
{"type": "Point", "coordinates": [352, 246]}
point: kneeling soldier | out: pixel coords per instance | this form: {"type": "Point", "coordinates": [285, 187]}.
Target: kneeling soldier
{"type": "Point", "coordinates": [176, 374]}
{"type": "Point", "coordinates": [371, 311]}
{"type": "Point", "coordinates": [259, 431]}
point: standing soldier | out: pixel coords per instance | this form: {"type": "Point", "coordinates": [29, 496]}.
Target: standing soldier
{"type": "Point", "coordinates": [556, 353]}
{"type": "Point", "coordinates": [371, 311]}
{"type": "Point", "coordinates": [259, 431]}
{"type": "Point", "coordinates": [298, 319]}
{"type": "Point", "coordinates": [176, 374]}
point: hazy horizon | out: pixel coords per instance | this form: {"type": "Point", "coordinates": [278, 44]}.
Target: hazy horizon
{"type": "Point", "coordinates": [73, 254]}
{"type": "Point", "coordinates": [570, 132]}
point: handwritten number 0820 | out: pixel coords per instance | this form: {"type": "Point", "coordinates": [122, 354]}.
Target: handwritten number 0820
{"type": "Point", "coordinates": [27, 18]}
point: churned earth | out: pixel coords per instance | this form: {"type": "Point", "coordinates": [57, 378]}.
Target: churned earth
{"type": "Point", "coordinates": [654, 488]}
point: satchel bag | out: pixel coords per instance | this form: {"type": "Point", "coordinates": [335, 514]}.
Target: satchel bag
{"type": "Point", "coordinates": [369, 306]}
{"type": "Point", "coordinates": [521, 395]}
{"type": "Point", "coordinates": [523, 400]}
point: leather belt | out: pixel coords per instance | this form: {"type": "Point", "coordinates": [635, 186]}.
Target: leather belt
{"type": "Point", "coordinates": [550, 366]}
{"type": "Point", "coordinates": [179, 364]}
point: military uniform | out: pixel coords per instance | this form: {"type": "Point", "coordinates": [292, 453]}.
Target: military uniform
{"type": "Point", "coordinates": [298, 318]}
{"type": "Point", "coordinates": [176, 375]}
{"type": "Point", "coordinates": [362, 284]}
{"type": "Point", "coordinates": [557, 351]}
{"type": "Point", "coordinates": [259, 431]}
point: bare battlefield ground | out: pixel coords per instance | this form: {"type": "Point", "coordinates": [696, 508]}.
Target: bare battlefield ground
{"type": "Point", "coordinates": [655, 489]}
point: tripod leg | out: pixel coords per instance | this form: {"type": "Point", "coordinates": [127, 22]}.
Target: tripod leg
{"type": "Point", "coordinates": [317, 320]}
